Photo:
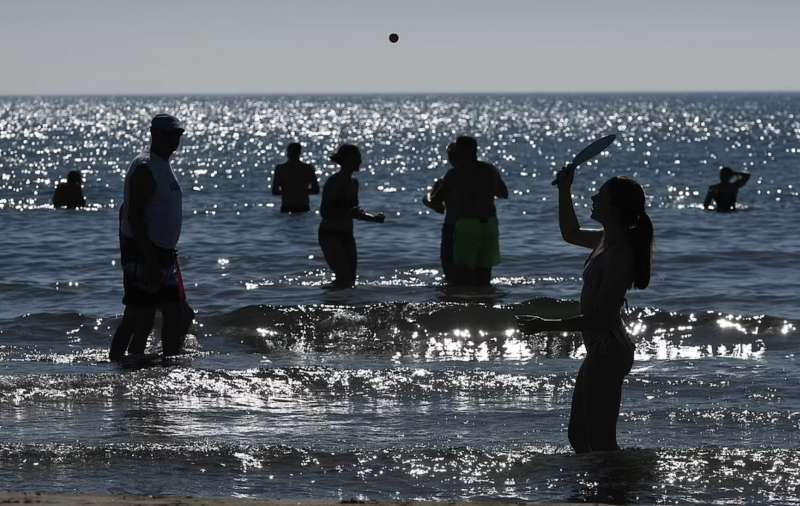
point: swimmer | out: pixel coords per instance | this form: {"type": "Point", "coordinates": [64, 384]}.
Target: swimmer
{"type": "Point", "coordinates": [294, 181]}
{"type": "Point", "coordinates": [724, 193]}
{"type": "Point", "coordinates": [70, 194]}
{"type": "Point", "coordinates": [339, 207]}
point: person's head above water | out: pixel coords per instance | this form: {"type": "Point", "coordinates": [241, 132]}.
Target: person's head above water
{"type": "Point", "coordinates": [165, 134]}
{"type": "Point", "coordinates": [348, 157]}
{"type": "Point", "coordinates": [466, 148]}
{"type": "Point", "coordinates": [725, 174]}
{"type": "Point", "coordinates": [293, 151]}
{"type": "Point", "coordinates": [620, 206]}
{"type": "Point", "coordinates": [74, 177]}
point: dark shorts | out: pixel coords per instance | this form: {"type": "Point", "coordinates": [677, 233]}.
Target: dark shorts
{"type": "Point", "coordinates": [137, 292]}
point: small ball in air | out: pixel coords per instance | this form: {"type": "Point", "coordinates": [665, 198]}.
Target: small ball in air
{"type": "Point", "coordinates": [393, 38]}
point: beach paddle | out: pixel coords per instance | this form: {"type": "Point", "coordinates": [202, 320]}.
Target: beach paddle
{"type": "Point", "coordinates": [591, 151]}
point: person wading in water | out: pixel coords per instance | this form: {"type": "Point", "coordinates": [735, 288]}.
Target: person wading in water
{"type": "Point", "coordinates": [620, 259]}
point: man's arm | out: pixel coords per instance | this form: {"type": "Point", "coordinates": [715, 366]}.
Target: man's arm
{"type": "Point", "coordinates": [709, 197]}
{"type": "Point", "coordinates": [314, 186]}
{"type": "Point", "coordinates": [742, 179]}
{"type": "Point", "coordinates": [439, 208]}
{"type": "Point", "coordinates": [142, 189]}
{"type": "Point", "coordinates": [360, 214]}
{"type": "Point", "coordinates": [501, 190]}
{"type": "Point", "coordinates": [276, 181]}
{"type": "Point", "coordinates": [439, 193]}
{"type": "Point", "coordinates": [58, 196]}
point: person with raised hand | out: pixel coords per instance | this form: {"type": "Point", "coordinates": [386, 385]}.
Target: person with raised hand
{"type": "Point", "coordinates": [723, 194]}
{"type": "Point", "coordinates": [621, 259]}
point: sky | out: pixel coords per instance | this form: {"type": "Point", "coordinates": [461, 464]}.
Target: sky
{"type": "Point", "coordinates": [446, 46]}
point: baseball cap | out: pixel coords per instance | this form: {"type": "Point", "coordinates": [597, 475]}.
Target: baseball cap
{"type": "Point", "coordinates": [167, 123]}
{"type": "Point", "coordinates": [345, 151]}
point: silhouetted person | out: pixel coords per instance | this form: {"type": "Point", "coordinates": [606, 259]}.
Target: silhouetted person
{"type": "Point", "coordinates": [468, 192]}
{"type": "Point", "coordinates": [620, 259]}
{"type": "Point", "coordinates": [294, 181]}
{"type": "Point", "coordinates": [448, 227]}
{"type": "Point", "coordinates": [724, 193]}
{"type": "Point", "coordinates": [150, 226]}
{"type": "Point", "coordinates": [338, 209]}
{"type": "Point", "coordinates": [70, 194]}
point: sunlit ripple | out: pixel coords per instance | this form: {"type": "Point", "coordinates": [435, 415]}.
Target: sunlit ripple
{"type": "Point", "coordinates": [43, 138]}
{"type": "Point", "coordinates": [362, 381]}
{"type": "Point", "coordinates": [725, 475]}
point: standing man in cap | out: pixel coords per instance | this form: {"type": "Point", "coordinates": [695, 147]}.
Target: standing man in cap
{"type": "Point", "coordinates": [294, 181]}
{"type": "Point", "coordinates": [149, 227]}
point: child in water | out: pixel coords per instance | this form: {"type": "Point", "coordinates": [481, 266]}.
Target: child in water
{"type": "Point", "coordinates": [620, 259]}
{"type": "Point", "coordinates": [339, 207]}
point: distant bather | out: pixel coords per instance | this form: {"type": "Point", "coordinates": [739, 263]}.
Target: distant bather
{"type": "Point", "coordinates": [69, 194]}
{"type": "Point", "coordinates": [294, 181]}
{"type": "Point", "coordinates": [724, 193]}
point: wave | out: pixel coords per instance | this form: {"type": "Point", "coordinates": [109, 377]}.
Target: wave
{"type": "Point", "coordinates": [254, 387]}
{"type": "Point", "coordinates": [512, 471]}
{"type": "Point", "coordinates": [456, 328]}
{"type": "Point", "coordinates": [412, 327]}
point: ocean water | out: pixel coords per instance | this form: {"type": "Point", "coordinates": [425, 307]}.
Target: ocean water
{"type": "Point", "coordinates": [401, 388]}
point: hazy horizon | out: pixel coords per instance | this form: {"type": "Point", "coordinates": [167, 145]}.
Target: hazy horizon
{"type": "Point", "coordinates": [307, 47]}
{"type": "Point", "coordinates": [408, 93]}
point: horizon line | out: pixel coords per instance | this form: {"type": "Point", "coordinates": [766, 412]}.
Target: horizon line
{"type": "Point", "coordinates": [401, 93]}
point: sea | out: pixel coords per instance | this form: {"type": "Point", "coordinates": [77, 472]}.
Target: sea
{"type": "Point", "coordinates": [402, 388]}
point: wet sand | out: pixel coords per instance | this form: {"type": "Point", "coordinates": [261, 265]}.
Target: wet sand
{"type": "Point", "coordinates": [132, 500]}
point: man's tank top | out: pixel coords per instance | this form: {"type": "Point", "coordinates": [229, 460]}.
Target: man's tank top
{"type": "Point", "coordinates": [163, 211]}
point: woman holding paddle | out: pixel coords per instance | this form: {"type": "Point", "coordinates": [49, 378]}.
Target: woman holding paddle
{"type": "Point", "coordinates": [620, 259]}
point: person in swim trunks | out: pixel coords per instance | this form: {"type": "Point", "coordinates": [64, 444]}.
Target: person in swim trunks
{"type": "Point", "coordinates": [620, 259]}
{"type": "Point", "coordinates": [150, 222]}
{"type": "Point", "coordinates": [468, 192]}
{"type": "Point", "coordinates": [339, 207]}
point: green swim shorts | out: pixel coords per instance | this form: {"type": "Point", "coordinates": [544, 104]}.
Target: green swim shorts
{"type": "Point", "coordinates": [476, 243]}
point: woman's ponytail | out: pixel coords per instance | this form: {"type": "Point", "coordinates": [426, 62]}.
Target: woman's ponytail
{"type": "Point", "coordinates": [642, 241]}
{"type": "Point", "coordinates": [628, 196]}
